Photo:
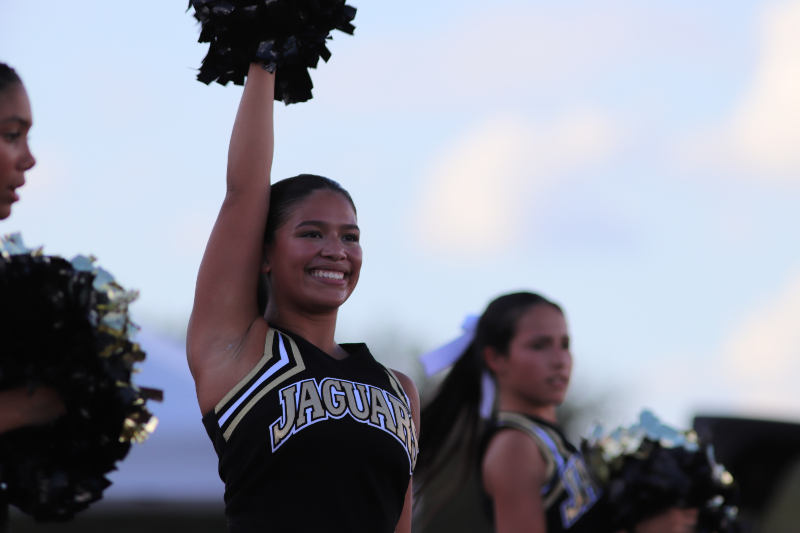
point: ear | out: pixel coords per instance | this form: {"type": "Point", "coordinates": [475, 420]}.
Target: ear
{"type": "Point", "coordinates": [266, 267]}
{"type": "Point", "coordinates": [495, 361]}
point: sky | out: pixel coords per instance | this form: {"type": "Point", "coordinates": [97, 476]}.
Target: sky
{"type": "Point", "coordinates": [636, 162]}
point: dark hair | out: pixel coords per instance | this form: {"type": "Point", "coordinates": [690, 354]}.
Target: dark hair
{"type": "Point", "coordinates": [283, 196]}
{"type": "Point", "coordinates": [8, 77]}
{"type": "Point", "coordinates": [451, 420]}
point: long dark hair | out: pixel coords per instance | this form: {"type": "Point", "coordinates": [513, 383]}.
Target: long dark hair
{"type": "Point", "coordinates": [451, 424]}
{"type": "Point", "coordinates": [8, 77]}
{"type": "Point", "coordinates": [283, 196]}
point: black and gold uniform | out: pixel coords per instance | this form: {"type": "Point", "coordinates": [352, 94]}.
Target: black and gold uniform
{"type": "Point", "coordinates": [308, 443]}
{"type": "Point", "coordinates": [570, 496]}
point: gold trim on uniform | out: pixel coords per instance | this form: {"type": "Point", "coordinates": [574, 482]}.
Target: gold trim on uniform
{"type": "Point", "coordinates": [244, 404]}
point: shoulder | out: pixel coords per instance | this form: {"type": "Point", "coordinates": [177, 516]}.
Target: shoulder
{"type": "Point", "coordinates": [408, 384]}
{"type": "Point", "coordinates": [411, 391]}
{"type": "Point", "coordinates": [512, 460]}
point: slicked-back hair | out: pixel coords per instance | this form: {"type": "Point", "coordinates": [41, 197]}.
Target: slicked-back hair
{"type": "Point", "coordinates": [8, 77]}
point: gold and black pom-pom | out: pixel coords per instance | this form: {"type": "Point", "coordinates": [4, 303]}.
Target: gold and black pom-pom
{"type": "Point", "coordinates": [287, 36]}
{"type": "Point", "coordinates": [65, 325]}
{"type": "Point", "coordinates": [649, 467]}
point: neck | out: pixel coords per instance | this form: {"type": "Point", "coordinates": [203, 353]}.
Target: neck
{"type": "Point", "coordinates": [545, 412]}
{"type": "Point", "coordinates": [318, 329]}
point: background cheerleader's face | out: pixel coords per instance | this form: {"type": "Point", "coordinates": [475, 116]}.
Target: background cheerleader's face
{"type": "Point", "coordinates": [315, 259]}
{"type": "Point", "coordinates": [539, 361]}
{"type": "Point", "coordinates": [15, 155]}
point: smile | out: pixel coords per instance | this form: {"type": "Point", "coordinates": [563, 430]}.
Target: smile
{"type": "Point", "coordinates": [327, 274]}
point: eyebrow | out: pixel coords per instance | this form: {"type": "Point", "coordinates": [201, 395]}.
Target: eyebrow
{"type": "Point", "coordinates": [15, 118]}
{"type": "Point", "coordinates": [320, 223]}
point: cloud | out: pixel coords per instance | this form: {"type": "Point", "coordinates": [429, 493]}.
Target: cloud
{"type": "Point", "coordinates": [752, 373]}
{"type": "Point", "coordinates": [480, 185]}
{"type": "Point", "coordinates": [494, 55]}
{"type": "Point", "coordinates": [761, 360]}
{"type": "Point", "coordinates": [762, 135]}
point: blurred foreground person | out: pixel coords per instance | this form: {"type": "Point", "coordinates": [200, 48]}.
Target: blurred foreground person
{"type": "Point", "coordinates": [68, 409]}
{"type": "Point", "coordinates": [534, 479]}
{"type": "Point", "coordinates": [19, 406]}
{"type": "Point", "coordinates": [16, 120]}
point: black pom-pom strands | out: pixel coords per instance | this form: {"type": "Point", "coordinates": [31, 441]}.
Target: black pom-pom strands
{"type": "Point", "coordinates": [649, 467]}
{"type": "Point", "coordinates": [287, 36]}
{"type": "Point", "coordinates": [65, 325]}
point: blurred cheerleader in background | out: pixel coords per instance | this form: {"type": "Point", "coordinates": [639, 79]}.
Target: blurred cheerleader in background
{"type": "Point", "coordinates": [533, 478]}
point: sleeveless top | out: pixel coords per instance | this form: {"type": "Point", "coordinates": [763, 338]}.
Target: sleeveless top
{"type": "Point", "coordinates": [570, 495]}
{"type": "Point", "coordinates": [310, 443]}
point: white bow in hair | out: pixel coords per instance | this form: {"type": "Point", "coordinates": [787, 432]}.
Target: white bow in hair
{"type": "Point", "coordinates": [444, 356]}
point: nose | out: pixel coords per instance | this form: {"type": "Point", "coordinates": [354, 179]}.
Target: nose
{"type": "Point", "coordinates": [27, 161]}
{"type": "Point", "coordinates": [562, 358]}
{"type": "Point", "coordinates": [334, 249]}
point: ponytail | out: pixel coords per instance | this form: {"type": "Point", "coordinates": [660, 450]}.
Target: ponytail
{"type": "Point", "coordinates": [450, 420]}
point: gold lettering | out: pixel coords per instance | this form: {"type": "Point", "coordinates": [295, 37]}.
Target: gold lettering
{"type": "Point", "coordinates": [331, 388]}
{"type": "Point", "coordinates": [379, 408]}
{"type": "Point", "coordinates": [403, 428]}
{"type": "Point", "coordinates": [309, 399]}
{"type": "Point", "coordinates": [283, 426]}
{"type": "Point", "coordinates": [359, 413]}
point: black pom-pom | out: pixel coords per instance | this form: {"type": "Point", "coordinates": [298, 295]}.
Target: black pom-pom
{"type": "Point", "coordinates": [649, 467]}
{"type": "Point", "coordinates": [286, 36]}
{"type": "Point", "coordinates": [64, 325]}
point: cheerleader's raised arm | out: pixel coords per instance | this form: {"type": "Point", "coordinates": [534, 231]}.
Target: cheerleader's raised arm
{"type": "Point", "coordinates": [225, 314]}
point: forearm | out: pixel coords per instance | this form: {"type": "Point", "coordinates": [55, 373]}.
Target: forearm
{"type": "Point", "coordinates": [22, 407]}
{"type": "Point", "coordinates": [252, 139]}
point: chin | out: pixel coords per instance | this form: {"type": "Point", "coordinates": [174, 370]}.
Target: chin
{"type": "Point", "coordinates": [335, 299]}
{"type": "Point", "coordinates": [557, 401]}
{"type": "Point", "coordinates": [325, 305]}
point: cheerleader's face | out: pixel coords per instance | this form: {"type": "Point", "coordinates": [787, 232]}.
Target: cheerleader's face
{"type": "Point", "coordinates": [15, 155]}
{"type": "Point", "coordinates": [315, 259]}
{"type": "Point", "coordinates": [534, 375]}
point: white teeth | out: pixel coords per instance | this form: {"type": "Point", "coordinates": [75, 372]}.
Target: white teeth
{"type": "Point", "coordinates": [327, 274]}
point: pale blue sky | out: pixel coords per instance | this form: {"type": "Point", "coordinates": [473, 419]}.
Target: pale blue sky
{"type": "Point", "coordinates": [635, 162]}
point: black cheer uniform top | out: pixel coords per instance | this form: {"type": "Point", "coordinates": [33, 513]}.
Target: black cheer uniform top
{"type": "Point", "coordinates": [570, 496]}
{"type": "Point", "coordinates": [308, 443]}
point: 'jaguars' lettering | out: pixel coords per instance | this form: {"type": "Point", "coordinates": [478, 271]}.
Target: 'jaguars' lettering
{"type": "Point", "coordinates": [307, 402]}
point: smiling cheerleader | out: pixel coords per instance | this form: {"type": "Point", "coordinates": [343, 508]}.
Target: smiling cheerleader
{"type": "Point", "coordinates": [311, 434]}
